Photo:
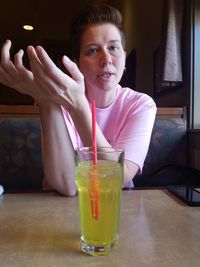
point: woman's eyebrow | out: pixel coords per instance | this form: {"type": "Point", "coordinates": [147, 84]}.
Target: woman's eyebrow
{"type": "Point", "coordinates": [96, 43]}
{"type": "Point", "coordinates": [114, 41]}
{"type": "Point", "coordinates": [89, 45]}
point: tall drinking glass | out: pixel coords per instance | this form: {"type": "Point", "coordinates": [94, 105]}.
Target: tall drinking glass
{"type": "Point", "coordinates": [99, 192]}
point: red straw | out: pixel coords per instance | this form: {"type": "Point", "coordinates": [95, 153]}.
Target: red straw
{"type": "Point", "coordinates": [94, 142]}
{"type": "Point", "coordinates": [94, 189]}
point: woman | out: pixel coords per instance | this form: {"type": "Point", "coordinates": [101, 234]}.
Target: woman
{"type": "Point", "coordinates": [124, 117]}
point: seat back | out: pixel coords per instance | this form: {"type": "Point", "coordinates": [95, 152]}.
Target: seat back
{"type": "Point", "coordinates": [168, 143]}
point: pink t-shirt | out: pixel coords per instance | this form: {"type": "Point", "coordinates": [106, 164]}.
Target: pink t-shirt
{"type": "Point", "coordinates": [127, 123]}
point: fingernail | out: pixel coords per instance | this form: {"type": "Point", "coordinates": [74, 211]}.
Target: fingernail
{"type": "Point", "coordinates": [30, 47]}
{"type": "Point", "coordinates": [39, 48]}
{"type": "Point", "coordinates": [21, 51]}
{"type": "Point", "coordinates": [66, 58]}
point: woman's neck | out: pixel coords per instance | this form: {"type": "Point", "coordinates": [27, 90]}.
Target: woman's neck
{"type": "Point", "coordinates": [103, 99]}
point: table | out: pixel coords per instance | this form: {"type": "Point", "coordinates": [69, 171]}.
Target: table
{"type": "Point", "coordinates": [42, 229]}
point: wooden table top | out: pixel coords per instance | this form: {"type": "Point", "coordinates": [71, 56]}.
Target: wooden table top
{"type": "Point", "coordinates": [42, 229]}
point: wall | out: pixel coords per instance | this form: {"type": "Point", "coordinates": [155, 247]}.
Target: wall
{"type": "Point", "coordinates": [143, 28]}
{"type": "Point", "coordinates": [143, 24]}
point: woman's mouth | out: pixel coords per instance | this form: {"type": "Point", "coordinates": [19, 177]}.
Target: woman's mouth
{"type": "Point", "coordinates": [105, 75]}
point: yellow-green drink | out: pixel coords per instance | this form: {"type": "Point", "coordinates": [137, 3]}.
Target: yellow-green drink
{"type": "Point", "coordinates": [99, 234]}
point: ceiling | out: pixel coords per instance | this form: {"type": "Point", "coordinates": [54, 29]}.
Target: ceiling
{"type": "Point", "coordinates": [51, 20]}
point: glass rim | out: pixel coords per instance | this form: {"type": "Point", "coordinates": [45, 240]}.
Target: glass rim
{"type": "Point", "coordinates": [102, 149]}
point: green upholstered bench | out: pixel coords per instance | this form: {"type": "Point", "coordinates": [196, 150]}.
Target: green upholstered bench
{"type": "Point", "coordinates": [20, 153]}
{"type": "Point", "coordinates": [20, 146]}
{"type": "Point", "coordinates": [168, 150]}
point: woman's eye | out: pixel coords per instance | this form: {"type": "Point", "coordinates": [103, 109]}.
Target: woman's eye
{"type": "Point", "coordinates": [91, 51]}
{"type": "Point", "coordinates": [114, 48]}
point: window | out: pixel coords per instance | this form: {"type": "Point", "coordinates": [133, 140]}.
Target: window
{"type": "Point", "coordinates": [195, 65]}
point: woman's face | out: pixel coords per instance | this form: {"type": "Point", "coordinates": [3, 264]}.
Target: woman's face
{"type": "Point", "coordinates": [102, 58]}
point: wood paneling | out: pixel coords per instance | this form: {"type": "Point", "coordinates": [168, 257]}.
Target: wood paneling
{"type": "Point", "coordinates": [33, 111]}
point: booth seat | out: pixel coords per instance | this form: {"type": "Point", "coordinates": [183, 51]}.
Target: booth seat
{"type": "Point", "coordinates": [20, 146]}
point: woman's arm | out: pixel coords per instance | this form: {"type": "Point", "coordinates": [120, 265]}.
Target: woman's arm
{"type": "Point", "coordinates": [58, 153]}
{"type": "Point", "coordinates": [57, 150]}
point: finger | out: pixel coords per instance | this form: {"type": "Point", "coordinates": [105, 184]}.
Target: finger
{"type": "Point", "coordinates": [33, 58]}
{"type": "Point", "coordinates": [49, 65]}
{"type": "Point", "coordinates": [73, 69]}
{"type": "Point", "coordinates": [18, 58]}
{"type": "Point", "coordinates": [35, 63]}
{"type": "Point", "coordinates": [44, 57]}
{"type": "Point", "coordinates": [20, 66]}
{"type": "Point", "coordinates": [6, 63]}
{"type": "Point", "coordinates": [5, 52]}
{"type": "Point", "coordinates": [53, 71]}
{"type": "Point", "coordinates": [41, 75]}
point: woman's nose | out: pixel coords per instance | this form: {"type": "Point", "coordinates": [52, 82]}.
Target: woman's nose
{"type": "Point", "coordinates": [106, 58]}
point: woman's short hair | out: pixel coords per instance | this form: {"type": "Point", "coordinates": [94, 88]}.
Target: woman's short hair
{"type": "Point", "coordinates": [93, 14]}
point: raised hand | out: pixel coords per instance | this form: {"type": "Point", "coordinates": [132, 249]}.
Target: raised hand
{"type": "Point", "coordinates": [57, 86]}
{"type": "Point", "coordinates": [14, 74]}
{"type": "Point", "coordinates": [45, 81]}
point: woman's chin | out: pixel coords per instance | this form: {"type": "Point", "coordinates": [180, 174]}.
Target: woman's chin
{"type": "Point", "coordinates": [107, 85]}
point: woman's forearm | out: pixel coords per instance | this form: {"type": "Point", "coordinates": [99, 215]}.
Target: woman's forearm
{"type": "Point", "coordinates": [57, 149]}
